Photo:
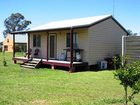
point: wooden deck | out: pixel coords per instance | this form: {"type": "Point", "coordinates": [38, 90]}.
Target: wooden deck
{"type": "Point", "coordinates": [22, 59]}
{"type": "Point", "coordinates": [53, 63]}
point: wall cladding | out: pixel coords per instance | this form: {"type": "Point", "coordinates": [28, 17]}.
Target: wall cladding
{"type": "Point", "coordinates": [131, 48]}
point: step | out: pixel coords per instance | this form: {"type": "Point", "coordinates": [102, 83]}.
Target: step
{"type": "Point", "coordinates": [34, 61]}
{"type": "Point", "coordinates": [27, 66]}
{"type": "Point", "coordinates": [30, 64]}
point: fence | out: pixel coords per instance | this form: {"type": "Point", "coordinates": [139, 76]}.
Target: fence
{"type": "Point", "coordinates": [131, 47]}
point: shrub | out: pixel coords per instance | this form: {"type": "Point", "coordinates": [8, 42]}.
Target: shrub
{"type": "Point", "coordinates": [129, 76]}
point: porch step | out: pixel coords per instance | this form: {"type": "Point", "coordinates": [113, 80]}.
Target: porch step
{"type": "Point", "coordinates": [32, 63]}
{"type": "Point", "coordinates": [27, 66]}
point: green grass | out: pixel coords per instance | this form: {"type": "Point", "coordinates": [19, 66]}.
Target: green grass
{"type": "Point", "coordinates": [20, 86]}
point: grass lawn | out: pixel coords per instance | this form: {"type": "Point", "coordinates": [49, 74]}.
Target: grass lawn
{"type": "Point", "coordinates": [20, 86]}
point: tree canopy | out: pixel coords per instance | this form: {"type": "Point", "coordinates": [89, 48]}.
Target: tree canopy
{"type": "Point", "coordinates": [15, 22]}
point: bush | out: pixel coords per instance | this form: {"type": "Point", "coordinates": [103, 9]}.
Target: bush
{"type": "Point", "coordinates": [114, 62]}
{"type": "Point", "coordinates": [129, 76]}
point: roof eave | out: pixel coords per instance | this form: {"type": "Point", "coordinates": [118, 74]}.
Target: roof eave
{"type": "Point", "coordinates": [44, 30]}
{"type": "Point", "coordinates": [19, 32]}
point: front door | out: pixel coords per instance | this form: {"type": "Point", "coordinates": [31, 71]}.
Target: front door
{"type": "Point", "coordinates": [52, 46]}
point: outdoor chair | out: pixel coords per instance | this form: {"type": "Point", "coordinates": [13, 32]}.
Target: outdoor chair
{"type": "Point", "coordinates": [28, 53]}
{"type": "Point", "coordinates": [36, 53]}
{"type": "Point", "coordinates": [62, 57]}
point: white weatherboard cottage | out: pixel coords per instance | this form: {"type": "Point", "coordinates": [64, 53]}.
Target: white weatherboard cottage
{"type": "Point", "coordinates": [93, 38]}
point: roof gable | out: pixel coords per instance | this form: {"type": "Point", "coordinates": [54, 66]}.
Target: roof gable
{"type": "Point", "coordinates": [8, 37]}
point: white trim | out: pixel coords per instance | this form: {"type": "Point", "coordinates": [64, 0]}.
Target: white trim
{"type": "Point", "coordinates": [123, 49]}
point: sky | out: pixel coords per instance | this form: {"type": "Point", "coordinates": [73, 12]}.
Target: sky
{"type": "Point", "coordinates": [40, 12]}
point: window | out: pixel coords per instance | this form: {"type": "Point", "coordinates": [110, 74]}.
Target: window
{"type": "Point", "coordinates": [7, 40]}
{"type": "Point", "coordinates": [75, 40]}
{"type": "Point", "coordinates": [68, 40]}
{"type": "Point", "coordinates": [36, 40]}
{"type": "Point", "coordinates": [5, 48]}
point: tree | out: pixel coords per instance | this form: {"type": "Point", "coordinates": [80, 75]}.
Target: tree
{"type": "Point", "coordinates": [129, 77]}
{"type": "Point", "coordinates": [15, 22]}
{"type": "Point", "coordinates": [131, 33]}
{"type": "Point", "coordinates": [135, 34]}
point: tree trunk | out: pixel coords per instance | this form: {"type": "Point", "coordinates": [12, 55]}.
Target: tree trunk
{"type": "Point", "coordinates": [126, 100]}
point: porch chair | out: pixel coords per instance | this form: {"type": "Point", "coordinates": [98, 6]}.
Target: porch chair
{"type": "Point", "coordinates": [28, 53]}
{"type": "Point", "coordinates": [36, 53]}
{"type": "Point", "coordinates": [78, 57]}
{"type": "Point", "coordinates": [62, 57]}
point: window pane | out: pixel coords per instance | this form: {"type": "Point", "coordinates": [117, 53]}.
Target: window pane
{"type": "Point", "coordinates": [68, 40]}
{"type": "Point", "coordinates": [5, 48]}
{"type": "Point", "coordinates": [34, 40]}
{"type": "Point", "coordinates": [38, 41]}
{"type": "Point", "coordinates": [75, 40]}
{"type": "Point", "coordinates": [7, 40]}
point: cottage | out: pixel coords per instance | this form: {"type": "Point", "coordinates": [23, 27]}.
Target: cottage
{"type": "Point", "coordinates": [8, 44]}
{"type": "Point", "coordinates": [75, 42]}
{"type": "Point", "coordinates": [1, 46]}
{"type": "Point", "coordinates": [20, 43]}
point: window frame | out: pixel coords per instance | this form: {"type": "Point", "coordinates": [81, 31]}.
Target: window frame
{"type": "Point", "coordinates": [7, 40]}
{"type": "Point", "coordinates": [75, 39]}
{"type": "Point", "coordinates": [36, 40]}
{"type": "Point", "coordinates": [5, 47]}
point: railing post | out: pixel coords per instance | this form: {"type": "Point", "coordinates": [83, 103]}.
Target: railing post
{"type": "Point", "coordinates": [13, 45]}
{"type": "Point", "coordinates": [123, 49]}
{"type": "Point", "coordinates": [28, 45]}
{"type": "Point", "coordinates": [71, 50]}
{"type": "Point", "coordinates": [47, 46]}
